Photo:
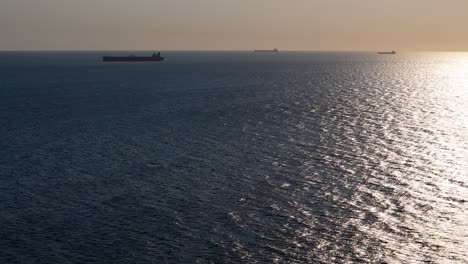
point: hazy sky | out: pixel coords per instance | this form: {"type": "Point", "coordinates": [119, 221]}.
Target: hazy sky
{"type": "Point", "coordinates": [234, 25]}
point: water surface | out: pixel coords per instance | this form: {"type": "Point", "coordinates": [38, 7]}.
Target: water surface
{"type": "Point", "coordinates": [234, 157]}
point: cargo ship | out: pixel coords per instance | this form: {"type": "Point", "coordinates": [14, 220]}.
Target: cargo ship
{"type": "Point", "coordinates": [387, 52]}
{"type": "Point", "coordinates": [131, 58]}
{"type": "Point", "coordinates": [273, 50]}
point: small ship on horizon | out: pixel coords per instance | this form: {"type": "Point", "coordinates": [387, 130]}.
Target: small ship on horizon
{"type": "Point", "coordinates": [273, 50]}
{"type": "Point", "coordinates": [387, 52]}
{"type": "Point", "coordinates": [133, 58]}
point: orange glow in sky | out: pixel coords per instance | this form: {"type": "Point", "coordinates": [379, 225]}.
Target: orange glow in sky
{"type": "Point", "coordinates": [427, 25]}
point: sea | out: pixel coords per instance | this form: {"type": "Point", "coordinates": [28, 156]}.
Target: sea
{"type": "Point", "coordinates": [234, 157]}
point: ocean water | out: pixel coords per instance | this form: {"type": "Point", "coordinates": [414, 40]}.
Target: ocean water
{"type": "Point", "coordinates": [234, 157]}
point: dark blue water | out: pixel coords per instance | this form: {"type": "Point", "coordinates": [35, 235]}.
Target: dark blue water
{"type": "Point", "coordinates": [234, 157]}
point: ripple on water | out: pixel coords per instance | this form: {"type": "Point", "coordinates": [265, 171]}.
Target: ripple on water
{"type": "Point", "coordinates": [308, 158]}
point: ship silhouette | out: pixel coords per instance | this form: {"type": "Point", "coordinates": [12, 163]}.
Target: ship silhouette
{"type": "Point", "coordinates": [387, 52]}
{"type": "Point", "coordinates": [132, 58]}
{"type": "Point", "coordinates": [273, 50]}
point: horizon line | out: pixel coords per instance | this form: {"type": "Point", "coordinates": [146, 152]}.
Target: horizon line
{"type": "Point", "coordinates": [216, 50]}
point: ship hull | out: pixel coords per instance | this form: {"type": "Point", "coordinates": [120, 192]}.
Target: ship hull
{"type": "Point", "coordinates": [131, 59]}
{"type": "Point", "coordinates": [265, 50]}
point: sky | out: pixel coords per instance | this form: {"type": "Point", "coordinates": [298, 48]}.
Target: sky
{"type": "Point", "coordinates": [329, 25]}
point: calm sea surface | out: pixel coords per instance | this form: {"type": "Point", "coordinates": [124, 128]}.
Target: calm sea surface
{"type": "Point", "coordinates": [234, 157]}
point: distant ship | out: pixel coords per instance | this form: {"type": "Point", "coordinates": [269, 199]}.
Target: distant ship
{"type": "Point", "coordinates": [273, 50]}
{"type": "Point", "coordinates": [130, 58]}
{"type": "Point", "coordinates": [387, 52]}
